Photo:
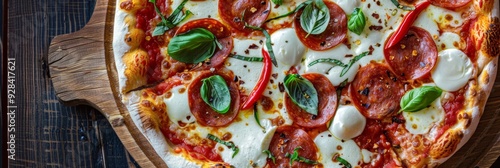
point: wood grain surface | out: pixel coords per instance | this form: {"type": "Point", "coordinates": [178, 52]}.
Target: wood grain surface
{"type": "Point", "coordinates": [54, 135]}
{"type": "Point", "coordinates": [48, 133]}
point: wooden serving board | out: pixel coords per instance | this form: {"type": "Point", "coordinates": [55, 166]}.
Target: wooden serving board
{"type": "Point", "coordinates": [83, 72]}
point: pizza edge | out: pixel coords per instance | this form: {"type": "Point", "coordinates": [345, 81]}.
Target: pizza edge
{"type": "Point", "coordinates": [479, 90]}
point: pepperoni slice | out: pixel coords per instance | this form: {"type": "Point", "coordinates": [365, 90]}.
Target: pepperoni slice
{"type": "Point", "coordinates": [256, 12]}
{"type": "Point", "coordinates": [335, 33]}
{"type": "Point", "coordinates": [285, 140]}
{"type": "Point", "coordinates": [450, 4]}
{"type": "Point", "coordinates": [414, 56]}
{"type": "Point", "coordinates": [223, 35]}
{"type": "Point", "coordinates": [327, 103]}
{"type": "Point", "coordinates": [203, 113]}
{"type": "Point", "coordinates": [376, 91]}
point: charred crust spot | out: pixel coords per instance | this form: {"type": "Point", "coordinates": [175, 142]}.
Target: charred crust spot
{"type": "Point", "coordinates": [493, 38]}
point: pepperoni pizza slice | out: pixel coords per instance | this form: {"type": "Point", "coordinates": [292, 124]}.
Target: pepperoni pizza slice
{"type": "Point", "coordinates": [306, 83]}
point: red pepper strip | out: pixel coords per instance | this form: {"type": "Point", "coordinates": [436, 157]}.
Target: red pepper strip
{"type": "Point", "coordinates": [408, 20]}
{"type": "Point", "coordinates": [262, 83]}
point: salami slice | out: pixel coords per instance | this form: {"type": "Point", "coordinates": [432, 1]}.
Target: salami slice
{"type": "Point", "coordinates": [450, 4]}
{"type": "Point", "coordinates": [414, 56]}
{"type": "Point", "coordinates": [203, 113]}
{"type": "Point", "coordinates": [376, 91]}
{"type": "Point", "coordinates": [255, 13]}
{"type": "Point", "coordinates": [335, 33]}
{"type": "Point", "coordinates": [285, 140]}
{"type": "Point", "coordinates": [223, 35]}
{"type": "Point", "coordinates": [327, 103]}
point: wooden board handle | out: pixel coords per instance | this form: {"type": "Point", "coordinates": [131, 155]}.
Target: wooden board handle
{"type": "Point", "coordinates": [78, 67]}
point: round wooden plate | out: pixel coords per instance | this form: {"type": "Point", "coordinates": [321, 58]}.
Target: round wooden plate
{"type": "Point", "coordinates": [83, 72]}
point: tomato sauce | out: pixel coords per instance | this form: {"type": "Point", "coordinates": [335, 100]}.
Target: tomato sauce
{"type": "Point", "coordinates": [374, 140]}
{"type": "Point", "coordinates": [451, 108]}
{"type": "Point", "coordinates": [146, 19]}
{"type": "Point", "coordinates": [199, 152]}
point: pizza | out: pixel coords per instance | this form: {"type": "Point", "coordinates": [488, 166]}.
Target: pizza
{"type": "Point", "coordinates": [306, 83]}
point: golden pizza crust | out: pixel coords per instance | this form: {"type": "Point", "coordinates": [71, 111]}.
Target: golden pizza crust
{"type": "Point", "coordinates": [136, 62]}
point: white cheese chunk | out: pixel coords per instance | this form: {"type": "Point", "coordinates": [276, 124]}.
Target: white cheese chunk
{"type": "Point", "coordinates": [452, 70]}
{"type": "Point", "coordinates": [329, 145]}
{"type": "Point", "coordinates": [251, 140]}
{"type": "Point", "coordinates": [178, 106]}
{"type": "Point", "coordinates": [347, 123]}
{"type": "Point", "coordinates": [287, 47]}
{"type": "Point", "coordinates": [422, 121]}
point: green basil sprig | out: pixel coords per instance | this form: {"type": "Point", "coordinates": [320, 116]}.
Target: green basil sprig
{"type": "Point", "coordinates": [302, 93]}
{"type": "Point", "coordinates": [256, 116]}
{"type": "Point", "coordinates": [194, 46]}
{"type": "Point", "coordinates": [246, 58]}
{"type": "Point", "coordinates": [229, 145]}
{"type": "Point", "coordinates": [215, 93]}
{"type": "Point", "coordinates": [395, 2]}
{"type": "Point", "coordinates": [173, 20]}
{"type": "Point", "coordinates": [302, 5]}
{"type": "Point", "coordinates": [277, 2]}
{"type": "Point", "coordinates": [344, 162]}
{"type": "Point", "coordinates": [295, 157]}
{"type": "Point", "coordinates": [337, 62]}
{"type": "Point", "coordinates": [419, 98]}
{"type": "Point", "coordinates": [270, 155]}
{"type": "Point", "coordinates": [356, 21]}
{"type": "Point", "coordinates": [268, 39]}
{"type": "Point", "coordinates": [315, 17]}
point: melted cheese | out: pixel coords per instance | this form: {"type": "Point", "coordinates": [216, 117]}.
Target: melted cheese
{"type": "Point", "coordinates": [330, 70]}
{"type": "Point", "coordinates": [347, 123]}
{"type": "Point", "coordinates": [178, 106]}
{"type": "Point", "coordinates": [422, 121]}
{"type": "Point", "coordinates": [287, 47]}
{"type": "Point", "coordinates": [452, 70]}
{"type": "Point", "coordinates": [251, 140]}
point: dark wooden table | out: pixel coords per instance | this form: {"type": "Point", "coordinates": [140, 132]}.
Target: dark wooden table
{"type": "Point", "coordinates": [48, 133]}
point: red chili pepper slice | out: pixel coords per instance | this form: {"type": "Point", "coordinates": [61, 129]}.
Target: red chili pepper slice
{"type": "Point", "coordinates": [408, 20]}
{"type": "Point", "coordinates": [262, 83]}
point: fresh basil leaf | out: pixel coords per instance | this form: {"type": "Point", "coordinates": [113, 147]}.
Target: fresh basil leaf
{"type": "Point", "coordinates": [419, 98]}
{"type": "Point", "coordinates": [302, 5]}
{"type": "Point", "coordinates": [173, 20]}
{"type": "Point", "coordinates": [194, 46]}
{"type": "Point", "coordinates": [356, 21]}
{"type": "Point", "coordinates": [270, 155]}
{"type": "Point", "coordinates": [302, 93]}
{"type": "Point", "coordinates": [229, 145]}
{"type": "Point", "coordinates": [215, 93]}
{"type": "Point", "coordinates": [398, 5]}
{"type": "Point", "coordinates": [344, 162]}
{"type": "Point", "coordinates": [277, 2]}
{"type": "Point", "coordinates": [315, 17]}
